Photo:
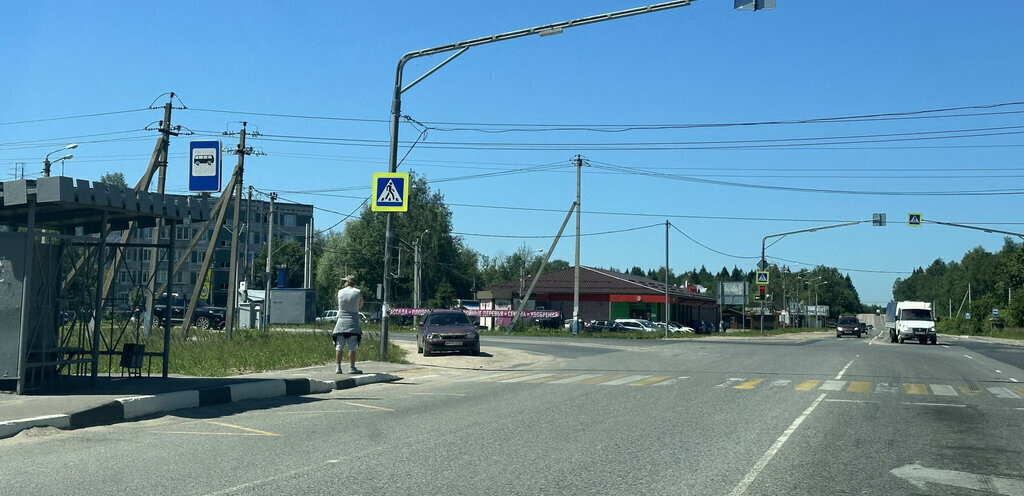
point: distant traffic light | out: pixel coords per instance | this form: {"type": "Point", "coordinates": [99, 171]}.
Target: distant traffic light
{"type": "Point", "coordinates": [760, 293]}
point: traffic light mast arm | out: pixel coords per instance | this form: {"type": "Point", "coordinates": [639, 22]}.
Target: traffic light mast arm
{"type": "Point", "coordinates": [986, 229]}
{"type": "Point", "coordinates": [812, 229]}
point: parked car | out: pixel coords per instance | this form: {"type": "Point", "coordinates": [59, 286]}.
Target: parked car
{"type": "Point", "coordinates": [604, 325]}
{"type": "Point", "coordinates": [447, 330]}
{"type": "Point", "coordinates": [328, 318]}
{"type": "Point", "coordinates": [848, 325]}
{"type": "Point", "coordinates": [677, 327]}
{"type": "Point", "coordinates": [702, 326]}
{"type": "Point", "coordinates": [637, 325]}
{"type": "Point", "coordinates": [205, 316]}
{"type": "Point", "coordinates": [568, 325]}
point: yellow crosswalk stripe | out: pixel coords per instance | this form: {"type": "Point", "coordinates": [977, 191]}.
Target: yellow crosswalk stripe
{"type": "Point", "coordinates": [548, 378]}
{"type": "Point", "coordinates": [600, 379]}
{"type": "Point", "coordinates": [1019, 389]}
{"type": "Point", "coordinates": [648, 381]}
{"type": "Point", "coordinates": [503, 377]}
{"type": "Point", "coordinates": [915, 389]}
{"type": "Point", "coordinates": [859, 387]}
{"type": "Point", "coordinates": [751, 384]}
{"type": "Point", "coordinates": [807, 385]}
{"type": "Point", "coordinates": [968, 391]}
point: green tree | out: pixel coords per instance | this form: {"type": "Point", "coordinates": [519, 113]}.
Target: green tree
{"type": "Point", "coordinates": [115, 178]}
{"type": "Point", "coordinates": [288, 254]}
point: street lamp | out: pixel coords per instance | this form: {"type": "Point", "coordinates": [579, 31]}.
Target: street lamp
{"type": "Point", "coordinates": [459, 48]}
{"type": "Point", "coordinates": [47, 162]}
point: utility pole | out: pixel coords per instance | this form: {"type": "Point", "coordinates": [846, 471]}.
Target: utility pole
{"type": "Point", "coordinates": [270, 252]}
{"type": "Point", "coordinates": [236, 192]}
{"type": "Point", "coordinates": [248, 218]}
{"type": "Point", "coordinates": [161, 164]}
{"type": "Point", "coordinates": [576, 270]}
{"type": "Point", "coordinates": [666, 279]}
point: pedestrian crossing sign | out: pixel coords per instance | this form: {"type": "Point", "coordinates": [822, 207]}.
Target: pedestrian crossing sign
{"type": "Point", "coordinates": [762, 277]}
{"type": "Point", "coordinates": [390, 192]}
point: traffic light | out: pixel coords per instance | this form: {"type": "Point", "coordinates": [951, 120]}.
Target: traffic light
{"type": "Point", "coordinates": [760, 293]}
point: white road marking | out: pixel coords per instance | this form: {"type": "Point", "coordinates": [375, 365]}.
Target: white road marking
{"type": "Point", "coordinates": [839, 400]}
{"type": "Point", "coordinates": [1014, 380]}
{"type": "Point", "coordinates": [731, 381]}
{"type": "Point", "coordinates": [997, 370]}
{"type": "Point", "coordinates": [767, 457]}
{"type": "Point", "coordinates": [969, 356]}
{"type": "Point", "coordinates": [527, 378]}
{"type": "Point", "coordinates": [943, 390]}
{"type": "Point", "coordinates": [946, 346]}
{"type": "Point", "coordinates": [918, 476]}
{"type": "Point", "coordinates": [482, 377]}
{"type": "Point", "coordinates": [1002, 392]}
{"type": "Point", "coordinates": [569, 380]}
{"type": "Point", "coordinates": [886, 388]}
{"type": "Point", "coordinates": [781, 383]}
{"type": "Point", "coordinates": [841, 372]}
{"type": "Point", "coordinates": [832, 386]}
{"type": "Point", "coordinates": [624, 380]}
{"type": "Point", "coordinates": [936, 404]}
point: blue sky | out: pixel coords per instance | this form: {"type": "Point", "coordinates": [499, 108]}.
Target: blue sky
{"type": "Point", "coordinates": [503, 121]}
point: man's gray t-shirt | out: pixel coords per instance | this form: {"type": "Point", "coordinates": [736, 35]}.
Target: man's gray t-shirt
{"type": "Point", "coordinates": [348, 311]}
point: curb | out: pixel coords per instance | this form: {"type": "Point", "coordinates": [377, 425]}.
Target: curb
{"type": "Point", "coordinates": [135, 407]}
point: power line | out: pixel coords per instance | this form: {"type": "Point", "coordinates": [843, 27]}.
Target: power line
{"type": "Point", "coordinates": [80, 116]}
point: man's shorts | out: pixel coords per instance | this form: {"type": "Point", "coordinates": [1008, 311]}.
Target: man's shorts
{"type": "Point", "coordinates": [343, 339]}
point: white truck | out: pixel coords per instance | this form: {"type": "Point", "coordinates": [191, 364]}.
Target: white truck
{"type": "Point", "coordinates": [910, 320]}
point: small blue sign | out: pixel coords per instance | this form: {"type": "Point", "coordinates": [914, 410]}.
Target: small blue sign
{"type": "Point", "coordinates": [995, 312]}
{"type": "Point", "coordinates": [914, 219]}
{"type": "Point", "coordinates": [204, 166]}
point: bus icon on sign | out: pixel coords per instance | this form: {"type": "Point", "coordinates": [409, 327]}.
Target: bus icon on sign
{"type": "Point", "coordinates": [203, 160]}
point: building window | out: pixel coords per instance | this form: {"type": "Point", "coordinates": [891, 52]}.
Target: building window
{"type": "Point", "coordinates": [181, 233]}
{"type": "Point", "coordinates": [289, 220]}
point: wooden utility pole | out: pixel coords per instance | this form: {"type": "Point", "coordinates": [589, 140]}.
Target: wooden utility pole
{"type": "Point", "coordinates": [236, 192]}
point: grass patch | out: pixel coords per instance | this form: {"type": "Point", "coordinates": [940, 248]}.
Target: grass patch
{"type": "Point", "coordinates": [211, 354]}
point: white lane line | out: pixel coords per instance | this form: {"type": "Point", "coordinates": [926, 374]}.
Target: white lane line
{"type": "Point", "coordinates": [946, 346]}
{"type": "Point", "coordinates": [1014, 380]}
{"type": "Point", "coordinates": [841, 372]}
{"type": "Point", "coordinates": [969, 356]}
{"type": "Point", "coordinates": [767, 457]}
{"type": "Point", "coordinates": [577, 378]}
{"type": "Point", "coordinates": [624, 380]}
{"type": "Point", "coordinates": [832, 386]}
{"type": "Point", "coordinates": [943, 390]}
{"type": "Point", "coordinates": [527, 378]}
{"type": "Point", "coordinates": [936, 404]}
{"type": "Point", "coordinates": [839, 400]}
{"type": "Point", "coordinates": [730, 382]}
{"type": "Point", "coordinates": [1003, 392]}
{"type": "Point", "coordinates": [997, 370]}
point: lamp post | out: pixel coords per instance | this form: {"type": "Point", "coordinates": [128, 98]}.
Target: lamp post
{"type": "Point", "coordinates": [47, 162]}
{"type": "Point", "coordinates": [459, 48]}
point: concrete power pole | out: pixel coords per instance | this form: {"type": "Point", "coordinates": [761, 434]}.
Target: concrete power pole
{"type": "Point", "coordinates": [161, 164]}
{"type": "Point", "coordinates": [270, 253]}
{"type": "Point", "coordinates": [236, 192]}
{"type": "Point", "coordinates": [576, 270]}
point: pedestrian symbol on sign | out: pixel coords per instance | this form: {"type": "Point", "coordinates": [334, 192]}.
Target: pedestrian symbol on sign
{"type": "Point", "coordinates": [762, 277]}
{"type": "Point", "coordinates": [390, 194]}
{"type": "Point", "coordinates": [914, 219]}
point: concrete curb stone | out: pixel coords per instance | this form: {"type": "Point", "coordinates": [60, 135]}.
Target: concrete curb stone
{"type": "Point", "coordinates": [136, 407]}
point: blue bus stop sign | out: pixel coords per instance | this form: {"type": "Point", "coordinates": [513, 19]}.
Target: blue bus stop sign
{"type": "Point", "coordinates": [204, 166]}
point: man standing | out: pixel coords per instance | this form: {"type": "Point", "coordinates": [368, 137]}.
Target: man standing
{"type": "Point", "coordinates": [347, 331]}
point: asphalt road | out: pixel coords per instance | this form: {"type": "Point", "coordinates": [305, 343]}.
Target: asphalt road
{"type": "Point", "coordinates": [815, 415]}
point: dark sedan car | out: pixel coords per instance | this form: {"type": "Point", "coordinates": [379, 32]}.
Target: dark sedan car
{"type": "Point", "coordinates": [447, 330]}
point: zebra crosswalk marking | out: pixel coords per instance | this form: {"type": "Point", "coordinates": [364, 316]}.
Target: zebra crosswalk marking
{"type": "Point", "coordinates": [648, 381]}
{"type": "Point", "coordinates": [503, 377]}
{"type": "Point", "coordinates": [548, 378]}
{"type": "Point", "coordinates": [575, 378]}
{"type": "Point", "coordinates": [624, 380]}
{"type": "Point", "coordinates": [886, 388]}
{"type": "Point", "coordinates": [781, 382]}
{"type": "Point", "coordinates": [1003, 392]}
{"type": "Point", "coordinates": [527, 378]}
{"type": "Point", "coordinates": [915, 389]}
{"type": "Point", "coordinates": [807, 385]}
{"type": "Point", "coordinates": [969, 391]}
{"type": "Point", "coordinates": [832, 386]}
{"type": "Point", "coordinates": [478, 378]}
{"type": "Point", "coordinates": [942, 390]}
{"type": "Point", "coordinates": [601, 378]}
{"type": "Point", "coordinates": [859, 387]}
{"type": "Point", "coordinates": [751, 384]}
